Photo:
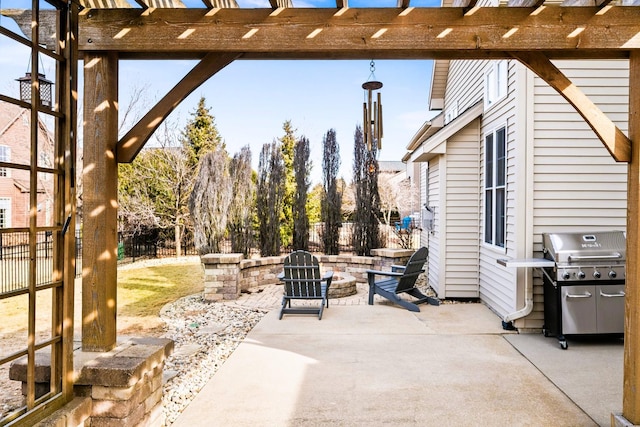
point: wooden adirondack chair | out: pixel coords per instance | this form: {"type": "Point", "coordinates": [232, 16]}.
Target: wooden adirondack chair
{"type": "Point", "coordinates": [302, 280]}
{"type": "Point", "coordinates": [402, 279]}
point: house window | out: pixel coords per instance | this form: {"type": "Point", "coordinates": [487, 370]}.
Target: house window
{"type": "Point", "coordinates": [451, 113]}
{"type": "Point", "coordinates": [495, 82]}
{"type": "Point", "coordinates": [5, 213]}
{"type": "Point", "coordinates": [5, 156]}
{"type": "Point", "coordinates": [495, 187]}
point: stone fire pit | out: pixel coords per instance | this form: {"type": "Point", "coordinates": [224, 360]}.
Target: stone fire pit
{"type": "Point", "coordinates": [342, 285]}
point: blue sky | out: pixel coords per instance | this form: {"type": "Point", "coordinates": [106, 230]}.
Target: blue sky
{"type": "Point", "coordinates": [251, 100]}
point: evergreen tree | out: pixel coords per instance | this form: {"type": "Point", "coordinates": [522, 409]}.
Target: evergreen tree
{"type": "Point", "coordinates": [270, 198]}
{"type": "Point", "coordinates": [201, 135]}
{"type": "Point", "coordinates": [301, 166]}
{"type": "Point", "coordinates": [332, 198]}
{"type": "Point", "coordinates": [210, 200]}
{"type": "Point", "coordinates": [287, 146]}
{"type": "Point", "coordinates": [366, 233]}
{"type": "Point", "coordinates": [242, 203]}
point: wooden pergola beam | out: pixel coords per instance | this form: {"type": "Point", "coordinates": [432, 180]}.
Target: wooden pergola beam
{"type": "Point", "coordinates": [631, 384]}
{"type": "Point", "coordinates": [614, 140]}
{"type": "Point", "coordinates": [131, 144]}
{"type": "Point", "coordinates": [381, 33]}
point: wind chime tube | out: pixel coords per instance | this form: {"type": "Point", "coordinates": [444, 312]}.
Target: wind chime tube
{"type": "Point", "coordinates": [371, 118]}
{"type": "Point", "coordinates": [375, 122]}
{"type": "Point", "coordinates": [379, 121]}
{"type": "Point", "coordinates": [365, 116]}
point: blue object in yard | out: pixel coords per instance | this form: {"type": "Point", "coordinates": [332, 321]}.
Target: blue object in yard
{"type": "Point", "coordinates": [406, 223]}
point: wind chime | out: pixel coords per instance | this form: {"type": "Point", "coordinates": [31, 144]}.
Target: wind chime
{"type": "Point", "coordinates": [372, 111]}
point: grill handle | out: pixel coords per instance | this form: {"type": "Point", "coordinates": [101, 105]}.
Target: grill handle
{"type": "Point", "coordinates": [617, 295]}
{"type": "Point", "coordinates": [585, 295]}
{"type": "Point", "coordinates": [615, 255]}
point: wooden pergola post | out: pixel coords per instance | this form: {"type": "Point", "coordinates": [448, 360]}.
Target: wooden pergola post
{"type": "Point", "coordinates": [631, 385]}
{"type": "Point", "coordinates": [100, 202]}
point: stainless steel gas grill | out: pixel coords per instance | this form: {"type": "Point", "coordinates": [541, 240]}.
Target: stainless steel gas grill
{"type": "Point", "coordinates": [584, 289]}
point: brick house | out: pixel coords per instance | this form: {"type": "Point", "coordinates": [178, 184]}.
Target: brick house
{"type": "Point", "coordinates": [15, 128]}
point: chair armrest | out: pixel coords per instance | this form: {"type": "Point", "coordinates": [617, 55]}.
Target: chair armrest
{"type": "Point", "coordinates": [280, 275]}
{"type": "Point", "coordinates": [327, 275]}
{"type": "Point", "coordinates": [399, 268]}
{"type": "Point", "coordinates": [384, 273]}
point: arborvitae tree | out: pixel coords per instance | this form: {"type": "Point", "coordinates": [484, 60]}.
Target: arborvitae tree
{"type": "Point", "coordinates": [301, 167]}
{"type": "Point", "coordinates": [314, 201]}
{"type": "Point", "coordinates": [242, 203]}
{"type": "Point", "coordinates": [287, 145]}
{"type": "Point", "coordinates": [210, 200]}
{"type": "Point", "coordinates": [269, 198]}
{"type": "Point", "coordinates": [332, 198]}
{"type": "Point", "coordinates": [201, 135]}
{"type": "Point", "coordinates": [366, 235]}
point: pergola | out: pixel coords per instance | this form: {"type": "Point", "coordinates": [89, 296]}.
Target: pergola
{"type": "Point", "coordinates": [531, 31]}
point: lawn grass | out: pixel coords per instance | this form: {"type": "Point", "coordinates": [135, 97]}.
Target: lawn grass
{"type": "Point", "coordinates": [142, 292]}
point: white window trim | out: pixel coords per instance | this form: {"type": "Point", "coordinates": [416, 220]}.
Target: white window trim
{"type": "Point", "coordinates": [5, 203]}
{"type": "Point", "coordinates": [493, 188]}
{"type": "Point", "coordinates": [6, 171]}
{"type": "Point", "coordinates": [496, 82]}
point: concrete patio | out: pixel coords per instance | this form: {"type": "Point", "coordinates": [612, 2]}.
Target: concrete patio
{"type": "Point", "coordinates": [382, 365]}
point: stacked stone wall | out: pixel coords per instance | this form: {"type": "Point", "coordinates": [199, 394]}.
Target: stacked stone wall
{"type": "Point", "coordinates": [226, 275]}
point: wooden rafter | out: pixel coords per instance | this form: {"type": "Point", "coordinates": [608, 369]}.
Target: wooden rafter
{"type": "Point", "coordinates": [613, 138]}
{"type": "Point", "coordinates": [404, 3]}
{"type": "Point", "coordinates": [276, 4]}
{"type": "Point", "coordinates": [215, 4]}
{"type": "Point", "coordinates": [342, 3]}
{"type": "Point", "coordinates": [106, 4]}
{"type": "Point", "coordinates": [129, 146]}
{"type": "Point", "coordinates": [383, 33]}
{"type": "Point", "coordinates": [145, 4]}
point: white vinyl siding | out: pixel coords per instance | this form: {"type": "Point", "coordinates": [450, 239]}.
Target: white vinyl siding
{"type": "Point", "coordinates": [578, 186]}
{"type": "Point", "coordinates": [465, 86]}
{"type": "Point", "coordinates": [462, 213]}
{"type": "Point", "coordinates": [424, 199]}
{"type": "Point", "coordinates": [433, 191]}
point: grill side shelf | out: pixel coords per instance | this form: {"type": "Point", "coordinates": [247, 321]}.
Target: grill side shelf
{"type": "Point", "coordinates": [527, 262]}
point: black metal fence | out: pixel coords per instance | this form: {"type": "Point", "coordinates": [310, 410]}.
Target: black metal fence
{"type": "Point", "coordinates": [15, 256]}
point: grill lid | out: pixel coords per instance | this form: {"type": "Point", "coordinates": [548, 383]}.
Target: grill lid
{"type": "Point", "coordinates": [585, 248]}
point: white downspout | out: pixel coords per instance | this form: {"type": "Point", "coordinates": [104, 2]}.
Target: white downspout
{"type": "Point", "coordinates": [527, 83]}
{"type": "Point", "coordinates": [528, 303]}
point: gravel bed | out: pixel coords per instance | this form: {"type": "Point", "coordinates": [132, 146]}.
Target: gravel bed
{"type": "Point", "coordinates": [205, 334]}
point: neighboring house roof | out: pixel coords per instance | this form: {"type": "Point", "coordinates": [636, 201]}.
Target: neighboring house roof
{"type": "Point", "coordinates": [433, 140]}
{"type": "Point", "coordinates": [9, 113]}
{"type": "Point", "coordinates": [386, 166]}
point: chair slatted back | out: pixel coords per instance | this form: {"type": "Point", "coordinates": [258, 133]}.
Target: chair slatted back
{"type": "Point", "coordinates": [302, 275]}
{"type": "Point", "coordinates": [412, 270]}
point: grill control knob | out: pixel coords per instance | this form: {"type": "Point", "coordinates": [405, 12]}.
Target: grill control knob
{"type": "Point", "coordinates": [566, 275]}
{"type": "Point", "coordinates": [596, 274]}
{"type": "Point", "coordinates": [612, 274]}
{"type": "Point", "coordinates": [581, 274]}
